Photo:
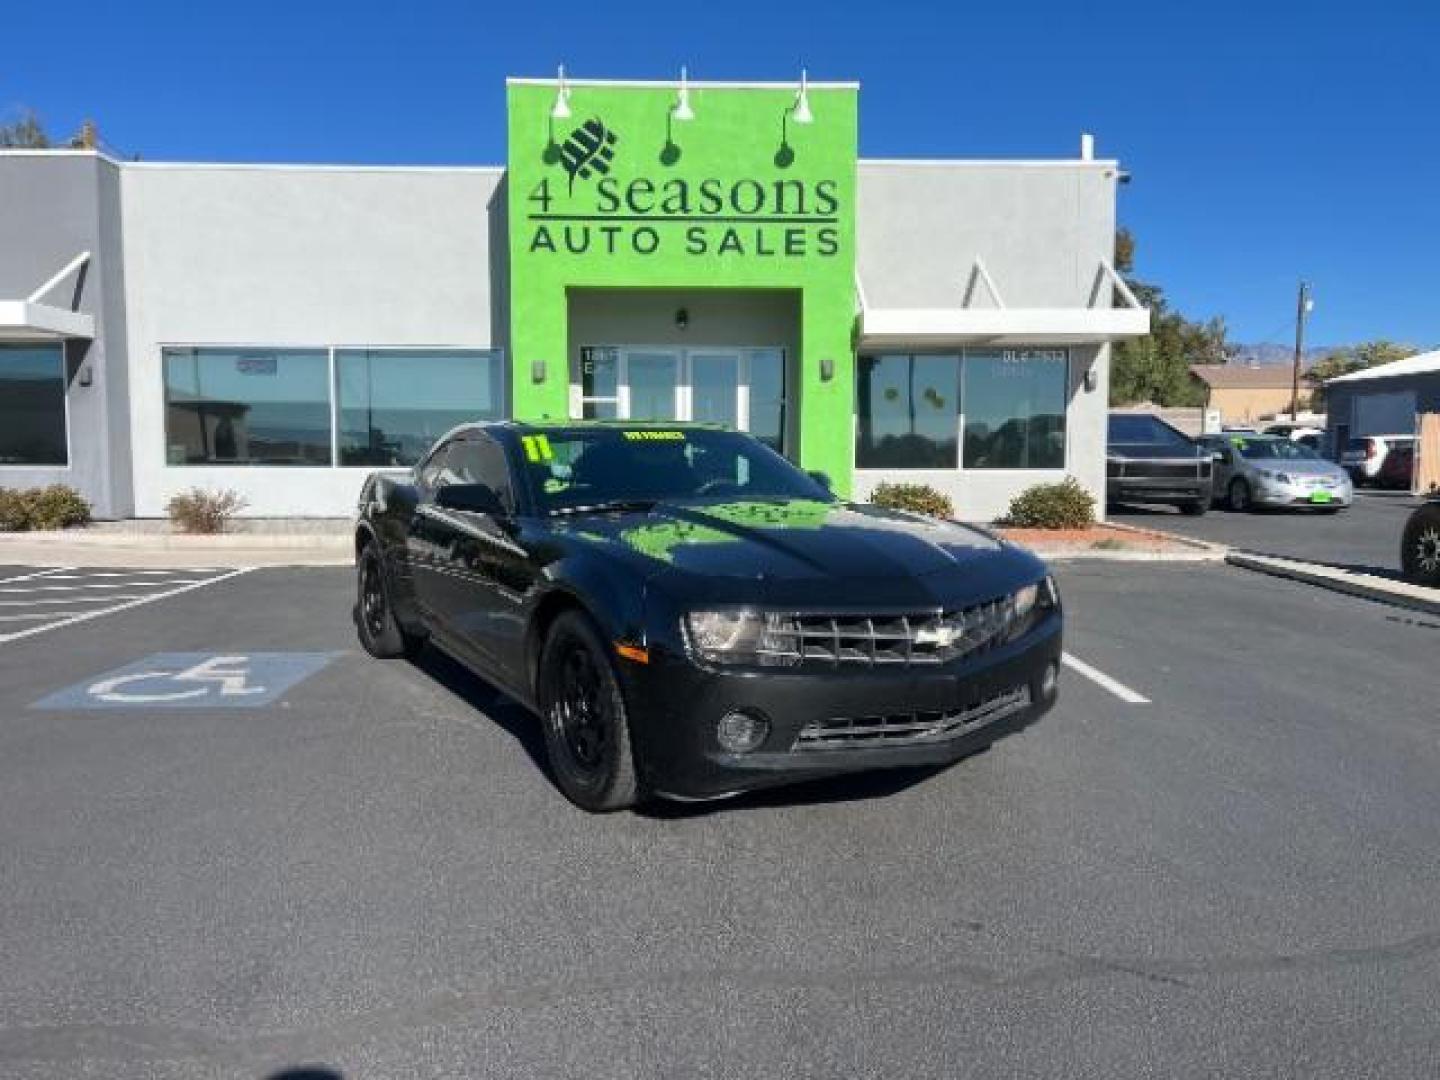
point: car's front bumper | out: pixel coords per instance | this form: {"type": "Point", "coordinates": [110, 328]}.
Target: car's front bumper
{"type": "Point", "coordinates": [1289, 495]}
{"type": "Point", "coordinates": [675, 706]}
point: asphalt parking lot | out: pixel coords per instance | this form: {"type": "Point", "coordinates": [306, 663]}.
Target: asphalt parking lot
{"type": "Point", "coordinates": [316, 858]}
{"type": "Point", "coordinates": [1365, 537]}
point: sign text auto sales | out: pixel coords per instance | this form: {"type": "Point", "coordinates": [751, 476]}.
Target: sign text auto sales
{"type": "Point", "coordinates": [783, 218]}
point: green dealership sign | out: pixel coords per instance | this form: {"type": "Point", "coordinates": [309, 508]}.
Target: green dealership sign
{"type": "Point", "coordinates": [622, 194]}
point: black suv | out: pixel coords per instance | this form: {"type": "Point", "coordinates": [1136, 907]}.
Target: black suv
{"type": "Point", "coordinates": [1148, 461]}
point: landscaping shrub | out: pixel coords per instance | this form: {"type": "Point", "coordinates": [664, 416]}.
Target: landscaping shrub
{"type": "Point", "coordinates": [917, 498]}
{"type": "Point", "coordinates": [201, 511]}
{"type": "Point", "coordinates": [1065, 505]}
{"type": "Point", "coordinates": [53, 507]}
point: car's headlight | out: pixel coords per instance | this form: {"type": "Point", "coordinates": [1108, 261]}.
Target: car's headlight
{"type": "Point", "coordinates": [1029, 605]}
{"type": "Point", "coordinates": [742, 636]}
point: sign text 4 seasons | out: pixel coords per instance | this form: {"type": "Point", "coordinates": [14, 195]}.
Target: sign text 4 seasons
{"type": "Point", "coordinates": [779, 218]}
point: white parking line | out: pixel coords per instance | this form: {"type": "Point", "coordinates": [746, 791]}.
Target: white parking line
{"type": "Point", "coordinates": [35, 574]}
{"type": "Point", "coordinates": [36, 615]}
{"type": "Point", "coordinates": [72, 599]}
{"type": "Point", "coordinates": [1100, 679]}
{"type": "Point", "coordinates": [97, 585]}
{"type": "Point", "coordinates": [137, 602]}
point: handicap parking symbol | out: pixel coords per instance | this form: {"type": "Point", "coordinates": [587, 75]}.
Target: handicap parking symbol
{"type": "Point", "coordinates": [192, 681]}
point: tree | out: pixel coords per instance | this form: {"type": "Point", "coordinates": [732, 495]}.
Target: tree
{"type": "Point", "coordinates": [1343, 361]}
{"type": "Point", "coordinates": [1157, 368]}
{"type": "Point", "coordinates": [24, 133]}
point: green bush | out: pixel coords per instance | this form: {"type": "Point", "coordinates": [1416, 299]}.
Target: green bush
{"type": "Point", "coordinates": [53, 507]}
{"type": "Point", "coordinates": [917, 498]}
{"type": "Point", "coordinates": [201, 511]}
{"type": "Point", "coordinates": [1065, 505]}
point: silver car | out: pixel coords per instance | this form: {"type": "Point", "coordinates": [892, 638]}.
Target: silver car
{"type": "Point", "coordinates": [1253, 471]}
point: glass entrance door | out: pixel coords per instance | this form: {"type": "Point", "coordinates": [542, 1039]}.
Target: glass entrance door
{"type": "Point", "coordinates": [741, 388]}
{"type": "Point", "coordinates": [715, 387]}
{"type": "Point", "coordinates": [650, 389]}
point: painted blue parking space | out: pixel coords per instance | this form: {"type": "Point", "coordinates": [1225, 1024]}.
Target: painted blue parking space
{"type": "Point", "coordinates": [192, 680]}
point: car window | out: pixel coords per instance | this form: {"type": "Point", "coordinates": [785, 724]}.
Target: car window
{"type": "Point", "coordinates": [479, 459]}
{"type": "Point", "coordinates": [428, 472]}
{"type": "Point", "coordinates": [1273, 450]}
{"type": "Point", "coordinates": [585, 466]}
{"type": "Point", "coordinates": [1142, 430]}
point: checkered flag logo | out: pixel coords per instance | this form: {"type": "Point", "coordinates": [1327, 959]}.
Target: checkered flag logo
{"type": "Point", "coordinates": [587, 150]}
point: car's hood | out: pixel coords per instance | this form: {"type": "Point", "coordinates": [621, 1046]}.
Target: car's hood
{"type": "Point", "coordinates": [1296, 468]}
{"type": "Point", "coordinates": [808, 552]}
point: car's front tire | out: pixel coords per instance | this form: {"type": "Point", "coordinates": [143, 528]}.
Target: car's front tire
{"type": "Point", "coordinates": [1420, 549]}
{"type": "Point", "coordinates": [587, 726]}
{"type": "Point", "coordinates": [1237, 496]}
{"type": "Point", "coordinates": [380, 633]}
{"type": "Point", "coordinates": [1195, 508]}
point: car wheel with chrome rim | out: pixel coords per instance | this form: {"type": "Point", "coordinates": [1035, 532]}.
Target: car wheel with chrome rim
{"type": "Point", "coordinates": [1420, 550]}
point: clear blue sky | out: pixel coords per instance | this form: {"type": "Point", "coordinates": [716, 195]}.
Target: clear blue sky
{"type": "Point", "coordinates": [1267, 140]}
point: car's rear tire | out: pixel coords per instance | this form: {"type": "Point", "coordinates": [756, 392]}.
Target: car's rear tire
{"type": "Point", "coordinates": [381, 635]}
{"type": "Point", "coordinates": [1420, 548]}
{"type": "Point", "coordinates": [1237, 497]}
{"type": "Point", "coordinates": [586, 722]}
{"type": "Point", "coordinates": [1195, 508]}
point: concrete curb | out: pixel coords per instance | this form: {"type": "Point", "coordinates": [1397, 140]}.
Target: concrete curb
{"type": "Point", "coordinates": [1111, 555]}
{"type": "Point", "coordinates": [167, 551]}
{"type": "Point", "coordinates": [1397, 593]}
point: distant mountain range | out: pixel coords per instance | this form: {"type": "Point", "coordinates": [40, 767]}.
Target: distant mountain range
{"type": "Point", "coordinates": [1269, 352]}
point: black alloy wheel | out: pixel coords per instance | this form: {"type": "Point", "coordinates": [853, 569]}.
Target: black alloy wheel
{"type": "Point", "coordinates": [1237, 496]}
{"type": "Point", "coordinates": [587, 730]}
{"type": "Point", "coordinates": [380, 634]}
{"type": "Point", "coordinates": [1420, 550]}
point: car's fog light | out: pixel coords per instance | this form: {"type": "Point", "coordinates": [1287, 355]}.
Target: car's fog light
{"type": "Point", "coordinates": [1050, 680]}
{"type": "Point", "coordinates": [740, 732]}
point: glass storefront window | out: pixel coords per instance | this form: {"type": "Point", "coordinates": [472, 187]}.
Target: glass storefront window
{"type": "Point", "coordinates": [32, 405]}
{"type": "Point", "coordinates": [767, 397]}
{"type": "Point", "coordinates": [1015, 408]}
{"type": "Point", "coordinates": [599, 383]}
{"type": "Point", "coordinates": [227, 406]}
{"type": "Point", "coordinates": [908, 412]}
{"type": "Point", "coordinates": [394, 403]}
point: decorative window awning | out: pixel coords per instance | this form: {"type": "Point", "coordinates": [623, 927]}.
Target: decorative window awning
{"type": "Point", "coordinates": [31, 319]}
{"type": "Point", "coordinates": [895, 328]}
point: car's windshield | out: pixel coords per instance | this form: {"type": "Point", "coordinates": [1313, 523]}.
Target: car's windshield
{"type": "Point", "coordinates": [1274, 450]}
{"type": "Point", "coordinates": [1141, 430]}
{"type": "Point", "coordinates": [570, 468]}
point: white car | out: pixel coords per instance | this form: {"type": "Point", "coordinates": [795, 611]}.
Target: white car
{"type": "Point", "coordinates": [1293, 432]}
{"type": "Point", "coordinates": [1269, 471]}
{"type": "Point", "coordinates": [1364, 455]}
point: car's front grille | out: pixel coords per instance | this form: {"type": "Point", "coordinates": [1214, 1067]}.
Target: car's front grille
{"type": "Point", "coordinates": [909, 728]}
{"type": "Point", "coordinates": [920, 638]}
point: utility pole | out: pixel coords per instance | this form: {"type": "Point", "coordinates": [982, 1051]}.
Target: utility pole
{"type": "Point", "coordinates": [1302, 308]}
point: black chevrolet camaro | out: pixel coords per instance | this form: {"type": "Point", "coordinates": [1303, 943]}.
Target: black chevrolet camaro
{"type": "Point", "coordinates": [692, 616]}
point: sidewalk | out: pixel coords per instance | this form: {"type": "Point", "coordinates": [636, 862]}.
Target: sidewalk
{"type": "Point", "coordinates": [152, 544]}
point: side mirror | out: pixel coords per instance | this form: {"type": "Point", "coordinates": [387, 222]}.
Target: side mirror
{"type": "Point", "coordinates": [821, 478]}
{"type": "Point", "coordinates": [471, 498]}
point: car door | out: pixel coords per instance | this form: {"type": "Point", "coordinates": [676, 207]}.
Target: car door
{"type": "Point", "coordinates": [428, 538]}
{"type": "Point", "coordinates": [472, 552]}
